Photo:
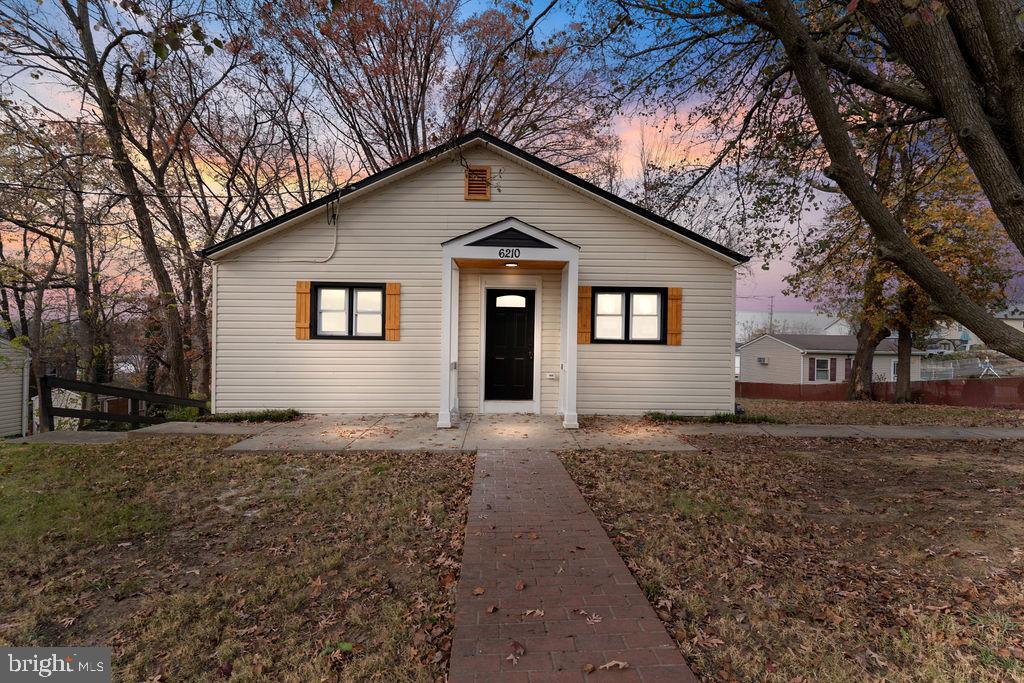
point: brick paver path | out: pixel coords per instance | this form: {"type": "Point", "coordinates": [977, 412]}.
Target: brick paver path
{"type": "Point", "coordinates": [529, 523]}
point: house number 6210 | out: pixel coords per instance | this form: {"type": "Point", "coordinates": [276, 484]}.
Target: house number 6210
{"type": "Point", "coordinates": [508, 253]}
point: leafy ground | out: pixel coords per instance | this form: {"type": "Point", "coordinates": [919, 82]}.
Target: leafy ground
{"type": "Point", "coordinates": [195, 564]}
{"type": "Point", "coordinates": [877, 413]}
{"type": "Point", "coordinates": [813, 559]}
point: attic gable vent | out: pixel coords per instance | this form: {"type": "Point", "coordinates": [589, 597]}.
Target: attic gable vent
{"type": "Point", "coordinates": [478, 182]}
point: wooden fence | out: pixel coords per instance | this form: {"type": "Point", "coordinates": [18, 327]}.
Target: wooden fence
{"type": "Point", "coordinates": [136, 399]}
{"type": "Point", "coordinates": [1003, 392]}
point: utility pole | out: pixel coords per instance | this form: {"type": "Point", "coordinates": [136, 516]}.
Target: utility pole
{"type": "Point", "coordinates": [771, 314]}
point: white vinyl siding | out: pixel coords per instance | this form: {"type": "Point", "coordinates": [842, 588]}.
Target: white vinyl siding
{"type": "Point", "coordinates": [785, 364]}
{"type": "Point", "coordinates": [12, 390]}
{"type": "Point", "coordinates": [394, 234]}
{"type": "Point", "coordinates": [882, 368]}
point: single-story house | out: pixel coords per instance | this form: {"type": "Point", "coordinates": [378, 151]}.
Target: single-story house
{"type": "Point", "coordinates": [815, 358]}
{"type": "Point", "coordinates": [474, 277]}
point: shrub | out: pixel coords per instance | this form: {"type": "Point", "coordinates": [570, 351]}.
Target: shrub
{"type": "Point", "coordinates": [270, 415]}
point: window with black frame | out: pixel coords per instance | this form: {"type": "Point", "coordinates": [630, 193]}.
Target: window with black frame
{"type": "Point", "coordinates": [347, 310]}
{"type": "Point", "coordinates": [629, 315]}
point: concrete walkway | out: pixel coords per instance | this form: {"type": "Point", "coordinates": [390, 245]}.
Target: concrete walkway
{"type": "Point", "coordinates": [474, 433]}
{"type": "Point", "coordinates": [482, 432]}
{"type": "Point", "coordinates": [543, 595]}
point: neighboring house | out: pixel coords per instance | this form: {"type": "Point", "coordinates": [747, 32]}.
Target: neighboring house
{"type": "Point", "coordinates": [839, 326]}
{"type": "Point", "coordinates": [14, 374]}
{"type": "Point", "coordinates": [961, 338]}
{"type": "Point", "coordinates": [815, 358]}
{"type": "Point", "coordinates": [473, 278]}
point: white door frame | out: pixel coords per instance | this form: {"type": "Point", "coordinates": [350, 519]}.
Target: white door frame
{"type": "Point", "coordinates": [513, 281]}
{"type": "Point", "coordinates": [561, 254]}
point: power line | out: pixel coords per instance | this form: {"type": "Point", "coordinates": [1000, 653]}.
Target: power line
{"type": "Point", "coordinates": [112, 193]}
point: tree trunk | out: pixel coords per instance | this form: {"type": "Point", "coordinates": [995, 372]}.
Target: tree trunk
{"type": "Point", "coordinates": [109, 114]}
{"type": "Point", "coordinates": [869, 336]}
{"type": "Point", "coordinates": [201, 340]}
{"type": "Point", "coordinates": [904, 352]}
{"type": "Point", "coordinates": [859, 383]}
{"type": "Point", "coordinates": [86, 331]}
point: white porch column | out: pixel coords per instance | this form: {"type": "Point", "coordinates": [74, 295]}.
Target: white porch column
{"type": "Point", "coordinates": [563, 317]}
{"type": "Point", "coordinates": [453, 374]}
{"type": "Point", "coordinates": [444, 409]}
{"type": "Point", "coordinates": [570, 300]}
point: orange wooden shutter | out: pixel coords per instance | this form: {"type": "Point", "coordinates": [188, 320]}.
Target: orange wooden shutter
{"type": "Point", "coordinates": [302, 309]}
{"type": "Point", "coordinates": [675, 316]}
{"type": "Point", "coordinates": [392, 307]}
{"type": "Point", "coordinates": [583, 317]}
{"type": "Point", "coordinates": [478, 182]}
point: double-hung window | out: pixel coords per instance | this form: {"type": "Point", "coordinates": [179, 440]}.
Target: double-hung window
{"type": "Point", "coordinates": [629, 315]}
{"type": "Point", "coordinates": [348, 311]}
{"type": "Point", "coordinates": [821, 369]}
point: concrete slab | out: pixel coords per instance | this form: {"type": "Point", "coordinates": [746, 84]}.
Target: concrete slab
{"type": "Point", "coordinates": [409, 433]}
{"type": "Point", "coordinates": [328, 433]}
{"type": "Point", "coordinates": [630, 434]}
{"type": "Point", "coordinates": [204, 429]}
{"type": "Point", "coordinates": [814, 431]}
{"type": "Point", "coordinates": [518, 431]}
{"type": "Point", "coordinates": [698, 428]}
{"type": "Point", "coordinates": [70, 437]}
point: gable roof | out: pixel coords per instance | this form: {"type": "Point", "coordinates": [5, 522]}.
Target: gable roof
{"type": "Point", "coordinates": [488, 139]}
{"type": "Point", "coordinates": [829, 343]}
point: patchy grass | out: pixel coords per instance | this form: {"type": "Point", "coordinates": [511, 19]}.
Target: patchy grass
{"type": "Point", "coordinates": [877, 413]}
{"type": "Point", "coordinates": [813, 559]}
{"type": "Point", "coordinates": [196, 564]}
{"type": "Point", "coordinates": [717, 418]}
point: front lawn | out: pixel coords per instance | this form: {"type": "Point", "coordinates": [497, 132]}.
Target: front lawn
{"type": "Point", "coordinates": [877, 413]}
{"type": "Point", "coordinates": [194, 564]}
{"type": "Point", "coordinates": [814, 559]}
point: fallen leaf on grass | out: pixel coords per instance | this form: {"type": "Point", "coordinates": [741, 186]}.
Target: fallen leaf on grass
{"type": "Point", "coordinates": [447, 579]}
{"type": "Point", "coordinates": [614, 664]}
{"type": "Point", "coordinates": [479, 590]}
{"type": "Point", "coordinates": [516, 650]}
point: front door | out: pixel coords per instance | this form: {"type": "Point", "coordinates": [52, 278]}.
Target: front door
{"type": "Point", "coordinates": [508, 353]}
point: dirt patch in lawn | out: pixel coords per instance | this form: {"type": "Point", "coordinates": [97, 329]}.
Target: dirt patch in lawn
{"type": "Point", "coordinates": [877, 413]}
{"type": "Point", "coordinates": [815, 559]}
{"type": "Point", "coordinates": [197, 564]}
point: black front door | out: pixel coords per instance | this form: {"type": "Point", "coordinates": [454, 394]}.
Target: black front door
{"type": "Point", "coordinates": [508, 356]}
